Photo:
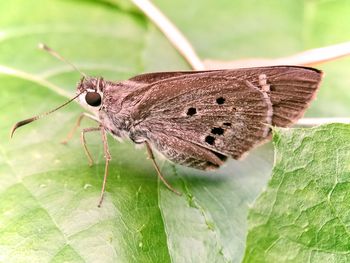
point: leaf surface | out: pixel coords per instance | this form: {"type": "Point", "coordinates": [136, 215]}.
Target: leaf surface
{"type": "Point", "coordinates": [303, 216]}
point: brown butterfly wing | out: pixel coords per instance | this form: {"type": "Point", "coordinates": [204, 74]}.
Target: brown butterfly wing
{"type": "Point", "coordinates": [197, 117]}
{"type": "Point", "coordinates": [292, 87]}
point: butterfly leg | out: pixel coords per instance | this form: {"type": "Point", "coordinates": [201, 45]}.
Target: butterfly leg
{"type": "Point", "coordinates": [83, 142]}
{"type": "Point", "coordinates": [107, 156]}
{"type": "Point", "coordinates": [77, 125]}
{"type": "Point", "coordinates": [161, 177]}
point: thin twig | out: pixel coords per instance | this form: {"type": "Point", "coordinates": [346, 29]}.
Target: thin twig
{"type": "Point", "coordinates": [319, 55]}
{"type": "Point", "coordinates": [309, 122]}
{"type": "Point", "coordinates": [306, 58]}
{"type": "Point", "coordinates": [176, 38]}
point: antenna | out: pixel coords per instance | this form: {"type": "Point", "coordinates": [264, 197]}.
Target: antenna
{"type": "Point", "coordinates": [60, 57]}
{"type": "Point", "coordinates": [29, 120]}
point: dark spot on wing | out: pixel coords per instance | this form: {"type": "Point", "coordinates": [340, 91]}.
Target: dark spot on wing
{"type": "Point", "coordinates": [191, 111]}
{"type": "Point", "coordinates": [218, 131]}
{"type": "Point", "coordinates": [220, 100]}
{"type": "Point", "coordinates": [210, 140]}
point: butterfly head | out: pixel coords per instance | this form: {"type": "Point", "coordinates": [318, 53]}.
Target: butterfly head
{"type": "Point", "coordinates": [91, 92]}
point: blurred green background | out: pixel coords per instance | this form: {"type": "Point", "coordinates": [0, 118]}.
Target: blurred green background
{"type": "Point", "coordinates": [48, 194]}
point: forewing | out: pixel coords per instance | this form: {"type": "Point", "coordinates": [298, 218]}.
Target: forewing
{"type": "Point", "coordinates": [215, 110]}
{"type": "Point", "coordinates": [292, 88]}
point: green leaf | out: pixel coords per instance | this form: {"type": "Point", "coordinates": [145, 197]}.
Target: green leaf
{"type": "Point", "coordinates": [303, 216]}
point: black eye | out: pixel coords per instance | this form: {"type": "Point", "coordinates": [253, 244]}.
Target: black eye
{"type": "Point", "coordinates": [93, 99]}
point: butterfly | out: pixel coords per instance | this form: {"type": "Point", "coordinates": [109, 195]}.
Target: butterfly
{"type": "Point", "coordinates": [195, 118]}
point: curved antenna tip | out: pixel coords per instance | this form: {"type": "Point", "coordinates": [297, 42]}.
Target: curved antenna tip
{"type": "Point", "coordinates": [19, 124]}
{"type": "Point", "coordinates": [29, 120]}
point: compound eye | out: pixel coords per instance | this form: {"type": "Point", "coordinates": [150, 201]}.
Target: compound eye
{"type": "Point", "coordinates": [93, 99]}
